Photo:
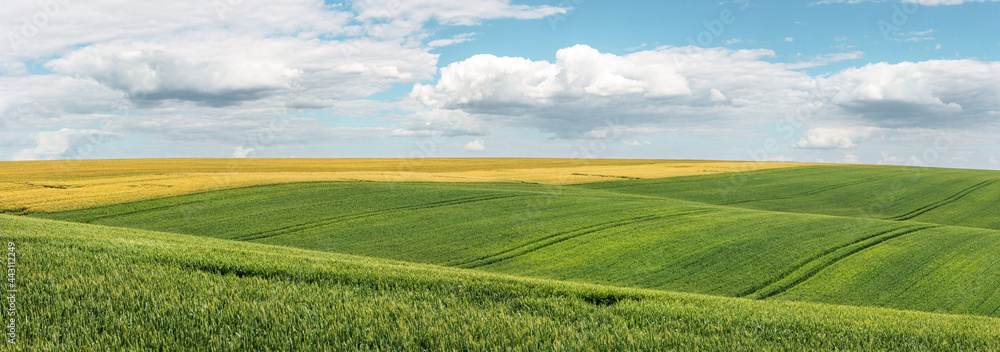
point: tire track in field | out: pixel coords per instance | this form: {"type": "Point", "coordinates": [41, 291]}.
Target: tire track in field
{"type": "Point", "coordinates": [558, 237]}
{"type": "Point", "coordinates": [922, 210]}
{"type": "Point", "coordinates": [812, 192]}
{"type": "Point", "coordinates": [134, 211]}
{"type": "Point", "coordinates": [349, 217]}
{"type": "Point", "coordinates": [814, 265]}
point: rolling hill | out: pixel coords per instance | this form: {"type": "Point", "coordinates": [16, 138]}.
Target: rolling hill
{"type": "Point", "coordinates": [942, 196]}
{"type": "Point", "coordinates": [625, 233]}
{"type": "Point", "coordinates": [505, 255]}
{"type": "Point", "coordinates": [88, 287]}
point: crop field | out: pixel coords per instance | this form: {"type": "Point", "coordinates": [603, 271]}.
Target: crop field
{"type": "Point", "coordinates": [943, 196]}
{"type": "Point", "coordinates": [51, 186]}
{"type": "Point", "coordinates": [552, 232]}
{"type": "Point", "coordinates": [848, 257]}
{"type": "Point", "coordinates": [103, 288]}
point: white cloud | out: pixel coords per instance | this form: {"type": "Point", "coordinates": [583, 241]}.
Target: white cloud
{"type": "Point", "coordinates": [389, 18]}
{"type": "Point", "coordinates": [446, 122]}
{"type": "Point", "coordinates": [851, 159]}
{"type": "Point", "coordinates": [834, 138]}
{"type": "Point", "coordinates": [585, 88]}
{"type": "Point", "coordinates": [241, 152]}
{"type": "Point", "coordinates": [189, 72]}
{"type": "Point", "coordinates": [636, 143]}
{"type": "Point", "coordinates": [46, 101]}
{"type": "Point", "coordinates": [789, 39]}
{"type": "Point", "coordinates": [826, 59]}
{"type": "Point", "coordinates": [77, 23]}
{"type": "Point", "coordinates": [195, 71]}
{"type": "Point", "coordinates": [476, 145]}
{"type": "Point", "coordinates": [461, 38]}
{"type": "Point", "coordinates": [914, 36]}
{"type": "Point", "coordinates": [993, 160]}
{"type": "Point", "coordinates": [928, 93]}
{"type": "Point", "coordinates": [227, 71]}
{"type": "Point", "coordinates": [912, 160]}
{"type": "Point", "coordinates": [716, 95]}
{"type": "Point", "coordinates": [64, 144]}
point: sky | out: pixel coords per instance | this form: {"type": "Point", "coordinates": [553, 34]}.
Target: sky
{"type": "Point", "coordinates": [907, 82]}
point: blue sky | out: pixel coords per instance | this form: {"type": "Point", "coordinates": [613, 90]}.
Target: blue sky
{"type": "Point", "coordinates": [912, 82]}
{"type": "Point", "coordinates": [622, 27]}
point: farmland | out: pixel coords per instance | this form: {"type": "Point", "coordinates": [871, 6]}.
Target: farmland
{"type": "Point", "coordinates": [525, 257]}
{"type": "Point", "coordinates": [942, 196]}
{"type": "Point", "coordinates": [121, 289]}
{"type": "Point", "coordinates": [61, 185]}
{"type": "Point", "coordinates": [609, 234]}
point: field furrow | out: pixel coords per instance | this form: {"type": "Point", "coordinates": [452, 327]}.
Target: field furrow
{"type": "Point", "coordinates": [338, 219]}
{"type": "Point", "coordinates": [812, 267]}
{"type": "Point", "coordinates": [563, 236]}
{"type": "Point", "coordinates": [144, 210]}
{"type": "Point", "coordinates": [812, 192]}
{"type": "Point", "coordinates": [922, 210]}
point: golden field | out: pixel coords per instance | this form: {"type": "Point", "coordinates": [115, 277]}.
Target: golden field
{"type": "Point", "coordinates": [60, 185]}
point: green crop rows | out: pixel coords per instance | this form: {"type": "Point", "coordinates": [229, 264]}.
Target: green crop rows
{"type": "Point", "coordinates": [100, 288]}
{"type": "Point", "coordinates": [783, 254]}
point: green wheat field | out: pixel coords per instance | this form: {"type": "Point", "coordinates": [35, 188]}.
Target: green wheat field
{"type": "Point", "coordinates": [812, 257]}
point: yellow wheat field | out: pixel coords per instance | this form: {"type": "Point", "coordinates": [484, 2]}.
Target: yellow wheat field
{"type": "Point", "coordinates": [50, 186]}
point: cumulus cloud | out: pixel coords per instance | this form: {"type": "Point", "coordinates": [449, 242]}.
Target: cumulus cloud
{"type": "Point", "coordinates": [170, 71]}
{"type": "Point", "coordinates": [42, 101]}
{"type": "Point", "coordinates": [476, 145]}
{"type": "Point", "coordinates": [928, 93]}
{"type": "Point", "coordinates": [64, 144]}
{"type": "Point", "coordinates": [585, 88]}
{"type": "Point", "coordinates": [218, 73]}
